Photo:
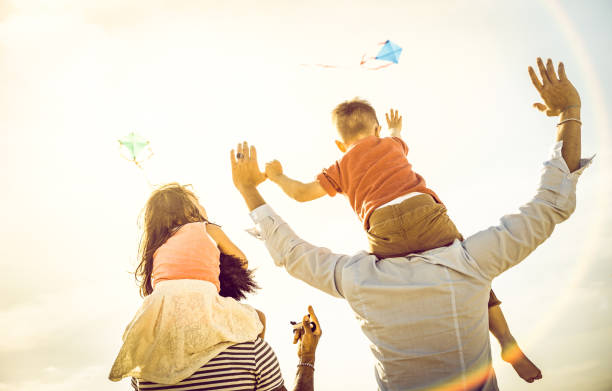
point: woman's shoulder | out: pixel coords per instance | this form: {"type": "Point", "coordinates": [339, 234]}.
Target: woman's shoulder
{"type": "Point", "coordinates": [195, 225]}
{"type": "Point", "coordinates": [244, 347]}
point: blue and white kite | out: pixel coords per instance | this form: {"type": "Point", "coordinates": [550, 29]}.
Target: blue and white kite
{"type": "Point", "coordinates": [388, 54]}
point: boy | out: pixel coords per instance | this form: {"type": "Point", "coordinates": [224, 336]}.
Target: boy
{"type": "Point", "coordinates": [399, 213]}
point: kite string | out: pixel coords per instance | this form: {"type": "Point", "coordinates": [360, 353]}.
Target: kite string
{"type": "Point", "coordinates": [362, 65]}
{"type": "Point", "coordinates": [139, 165]}
{"type": "Point", "coordinates": [378, 67]}
{"type": "Point", "coordinates": [144, 173]}
{"type": "Point", "coordinates": [365, 58]}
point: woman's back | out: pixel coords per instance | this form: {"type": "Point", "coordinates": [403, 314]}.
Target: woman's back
{"type": "Point", "coordinates": [244, 366]}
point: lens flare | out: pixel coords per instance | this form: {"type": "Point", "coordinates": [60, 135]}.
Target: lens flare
{"type": "Point", "coordinates": [594, 95]}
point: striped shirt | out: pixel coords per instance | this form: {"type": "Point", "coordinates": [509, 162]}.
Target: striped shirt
{"type": "Point", "coordinates": [245, 366]}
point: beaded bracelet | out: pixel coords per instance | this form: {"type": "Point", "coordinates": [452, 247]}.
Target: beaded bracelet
{"type": "Point", "coordinates": [569, 119]}
{"type": "Point", "coordinates": [306, 364]}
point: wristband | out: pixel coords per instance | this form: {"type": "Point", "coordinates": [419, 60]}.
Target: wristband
{"type": "Point", "coordinates": [306, 364]}
{"type": "Point", "coordinates": [569, 119]}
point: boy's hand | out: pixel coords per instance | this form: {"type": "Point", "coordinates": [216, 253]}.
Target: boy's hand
{"type": "Point", "coordinates": [558, 93]}
{"type": "Point", "coordinates": [394, 121]}
{"type": "Point", "coordinates": [274, 169]}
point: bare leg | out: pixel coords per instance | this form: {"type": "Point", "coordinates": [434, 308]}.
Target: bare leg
{"type": "Point", "coordinates": [262, 319]}
{"type": "Point", "coordinates": [510, 351]}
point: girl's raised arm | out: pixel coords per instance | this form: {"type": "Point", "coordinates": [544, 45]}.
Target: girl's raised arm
{"type": "Point", "coordinates": [225, 244]}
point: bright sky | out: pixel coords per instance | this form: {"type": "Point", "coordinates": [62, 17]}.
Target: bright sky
{"type": "Point", "coordinates": [197, 77]}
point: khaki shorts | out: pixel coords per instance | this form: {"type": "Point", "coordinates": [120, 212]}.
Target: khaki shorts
{"type": "Point", "coordinates": [415, 225]}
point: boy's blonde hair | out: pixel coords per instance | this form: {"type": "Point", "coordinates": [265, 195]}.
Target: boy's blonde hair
{"type": "Point", "coordinates": [353, 118]}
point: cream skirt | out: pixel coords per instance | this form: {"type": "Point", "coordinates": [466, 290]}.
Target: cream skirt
{"type": "Point", "coordinates": [180, 327]}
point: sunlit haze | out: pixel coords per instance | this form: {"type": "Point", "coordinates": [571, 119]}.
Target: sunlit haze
{"type": "Point", "coordinates": [196, 77]}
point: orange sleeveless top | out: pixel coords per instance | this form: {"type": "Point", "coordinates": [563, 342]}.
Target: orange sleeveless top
{"type": "Point", "coordinates": [188, 254]}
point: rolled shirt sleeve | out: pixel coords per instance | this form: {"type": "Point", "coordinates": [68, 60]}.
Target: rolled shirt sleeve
{"type": "Point", "coordinates": [329, 179]}
{"type": "Point", "coordinates": [500, 247]}
{"type": "Point", "coordinates": [316, 266]}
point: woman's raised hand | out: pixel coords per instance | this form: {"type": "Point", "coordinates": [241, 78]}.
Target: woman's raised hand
{"type": "Point", "coordinates": [307, 338]}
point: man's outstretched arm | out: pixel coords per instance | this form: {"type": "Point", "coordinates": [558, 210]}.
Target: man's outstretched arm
{"type": "Point", "coordinates": [498, 248]}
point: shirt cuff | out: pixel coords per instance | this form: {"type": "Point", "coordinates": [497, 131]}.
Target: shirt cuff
{"type": "Point", "coordinates": [556, 160]}
{"type": "Point", "coordinates": [557, 183]}
{"type": "Point", "coordinates": [261, 212]}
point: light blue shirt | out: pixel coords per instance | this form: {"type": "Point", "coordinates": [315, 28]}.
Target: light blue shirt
{"type": "Point", "coordinates": [426, 314]}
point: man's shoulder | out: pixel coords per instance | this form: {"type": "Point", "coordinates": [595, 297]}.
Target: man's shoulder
{"type": "Point", "coordinates": [454, 257]}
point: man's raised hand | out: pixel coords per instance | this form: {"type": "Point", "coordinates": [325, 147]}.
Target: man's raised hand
{"type": "Point", "coordinates": [245, 169]}
{"type": "Point", "coordinates": [558, 93]}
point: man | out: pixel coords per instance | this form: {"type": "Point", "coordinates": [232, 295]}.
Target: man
{"type": "Point", "coordinates": [426, 314]}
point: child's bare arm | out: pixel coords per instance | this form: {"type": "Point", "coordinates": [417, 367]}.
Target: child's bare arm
{"type": "Point", "coordinates": [394, 121]}
{"type": "Point", "coordinates": [297, 190]}
{"type": "Point", "coordinates": [225, 244]}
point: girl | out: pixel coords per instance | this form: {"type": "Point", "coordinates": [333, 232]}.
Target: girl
{"type": "Point", "coordinates": [183, 321]}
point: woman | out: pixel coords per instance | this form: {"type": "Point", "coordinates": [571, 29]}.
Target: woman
{"type": "Point", "coordinates": [250, 365]}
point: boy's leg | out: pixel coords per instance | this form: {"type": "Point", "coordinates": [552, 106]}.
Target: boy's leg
{"type": "Point", "coordinates": [510, 350]}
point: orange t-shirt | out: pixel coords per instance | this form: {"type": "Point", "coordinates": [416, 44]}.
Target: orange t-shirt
{"type": "Point", "coordinates": [372, 172]}
{"type": "Point", "coordinates": [188, 254]}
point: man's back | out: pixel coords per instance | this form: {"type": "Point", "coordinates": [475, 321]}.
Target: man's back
{"type": "Point", "coordinates": [426, 317]}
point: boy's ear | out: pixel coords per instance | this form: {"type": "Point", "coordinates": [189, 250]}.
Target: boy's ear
{"type": "Point", "coordinates": [377, 130]}
{"type": "Point", "coordinates": [341, 146]}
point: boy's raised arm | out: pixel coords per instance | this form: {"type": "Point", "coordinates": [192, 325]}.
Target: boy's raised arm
{"type": "Point", "coordinates": [297, 190]}
{"type": "Point", "coordinates": [394, 121]}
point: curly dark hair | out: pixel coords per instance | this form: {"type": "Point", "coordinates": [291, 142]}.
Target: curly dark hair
{"type": "Point", "coordinates": [236, 281]}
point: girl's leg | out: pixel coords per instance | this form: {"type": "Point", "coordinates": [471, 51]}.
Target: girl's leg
{"type": "Point", "coordinates": [262, 319]}
{"type": "Point", "coordinates": [510, 350]}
